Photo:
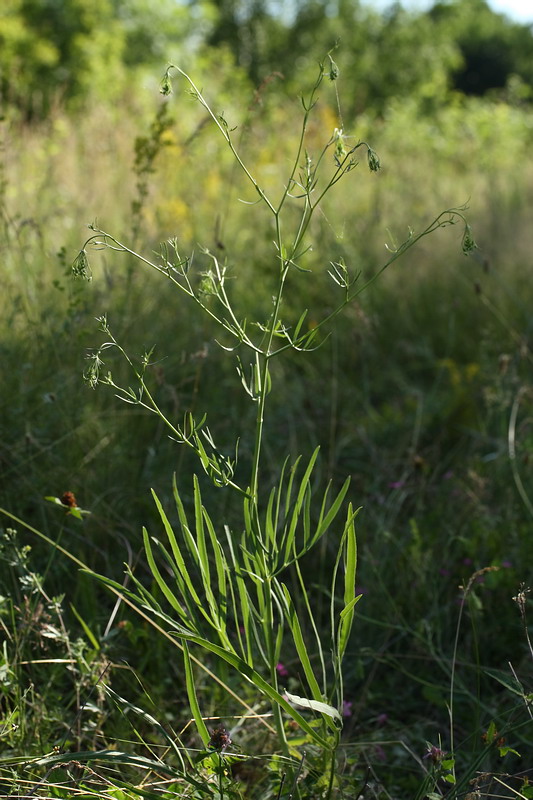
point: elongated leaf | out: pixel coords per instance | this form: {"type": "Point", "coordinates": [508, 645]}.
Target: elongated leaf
{"type": "Point", "coordinates": [294, 624]}
{"type": "Point", "coordinates": [279, 493]}
{"type": "Point", "coordinates": [189, 609]}
{"type": "Point", "coordinates": [203, 561]}
{"type": "Point", "coordinates": [298, 326]}
{"type": "Point", "coordinates": [182, 516]}
{"type": "Point", "coordinates": [270, 523]}
{"type": "Point", "coordinates": [118, 588]}
{"type": "Point", "coordinates": [325, 521]}
{"type": "Point", "coordinates": [302, 492]}
{"type": "Point", "coordinates": [347, 609]}
{"type": "Point", "coordinates": [140, 712]}
{"type": "Point", "coordinates": [168, 593]}
{"type": "Point", "coordinates": [288, 495]}
{"type": "Point", "coordinates": [115, 757]}
{"type": "Point", "coordinates": [221, 567]}
{"type": "Point", "coordinates": [304, 595]}
{"type": "Point", "coordinates": [314, 705]}
{"type": "Point", "coordinates": [350, 569]}
{"type": "Point", "coordinates": [507, 680]}
{"type": "Point", "coordinates": [259, 682]}
{"type": "Point", "coordinates": [191, 694]}
{"type": "Point", "coordinates": [140, 602]}
{"type": "Point", "coordinates": [180, 562]}
{"type": "Point", "coordinates": [351, 558]}
{"type": "Point", "coordinates": [241, 602]}
{"type": "Point", "coordinates": [88, 632]}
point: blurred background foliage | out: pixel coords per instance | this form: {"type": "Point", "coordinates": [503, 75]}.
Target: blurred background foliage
{"type": "Point", "coordinates": [413, 395]}
{"type": "Point", "coordinates": [62, 53]}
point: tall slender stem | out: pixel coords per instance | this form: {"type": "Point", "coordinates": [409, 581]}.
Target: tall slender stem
{"type": "Point", "coordinates": [264, 366]}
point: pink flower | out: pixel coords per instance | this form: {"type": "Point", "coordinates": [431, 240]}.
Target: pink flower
{"type": "Point", "coordinates": [347, 708]}
{"type": "Point", "coordinates": [434, 753]}
{"type": "Point", "coordinates": [282, 670]}
{"type": "Point", "coordinates": [396, 484]}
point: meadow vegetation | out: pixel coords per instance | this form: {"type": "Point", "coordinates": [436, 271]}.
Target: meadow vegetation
{"type": "Point", "coordinates": [383, 655]}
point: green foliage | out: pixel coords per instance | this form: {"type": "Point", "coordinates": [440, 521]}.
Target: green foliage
{"type": "Point", "coordinates": [56, 51]}
{"type": "Point", "coordinates": [493, 49]}
{"type": "Point", "coordinates": [53, 53]}
{"type": "Point", "coordinates": [421, 394]}
{"type": "Point", "coordinates": [460, 45]}
{"type": "Point", "coordinates": [69, 52]}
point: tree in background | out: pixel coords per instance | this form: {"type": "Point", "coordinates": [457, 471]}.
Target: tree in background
{"type": "Point", "coordinates": [458, 45]}
{"type": "Point", "coordinates": [62, 51]}
{"type": "Point", "coordinates": [493, 49]}
{"type": "Point", "coordinates": [57, 50]}
{"type": "Point", "coordinates": [66, 50]}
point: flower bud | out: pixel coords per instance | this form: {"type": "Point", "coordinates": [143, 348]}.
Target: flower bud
{"type": "Point", "coordinates": [80, 266]}
{"type": "Point", "coordinates": [333, 70]}
{"type": "Point", "coordinates": [166, 85]}
{"type": "Point", "coordinates": [469, 243]}
{"type": "Point", "coordinates": [340, 149]}
{"type": "Point", "coordinates": [373, 160]}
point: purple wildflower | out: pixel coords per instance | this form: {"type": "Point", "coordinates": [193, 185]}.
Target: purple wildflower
{"type": "Point", "coordinates": [435, 754]}
{"type": "Point", "coordinates": [282, 670]}
{"type": "Point", "coordinates": [396, 484]}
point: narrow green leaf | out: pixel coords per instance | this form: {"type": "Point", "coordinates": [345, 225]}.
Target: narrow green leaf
{"type": "Point", "coordinates": [351, 558]}
{"type": "Point", "coordinates": [203, 560]}
{"type": "Point", "coordinates": [350, 569]}
{"type": "Point", "coordinates": [347, 609]}
{"type": "Point", "coordinates": [325, 521]}
{"type": "Point", "coordinates": [88, 632]}
{"type": "Point", "coordinates": [188, 610]}
{"type": "Point", "coordinates": [117, 587]}
{"type": "Point", "coordinates": [270, 526]}
{"type": "Point", "coordinates": [154, 569]}
{"type": "Point", "coordinates": [140, 712]}
{"type": "Point", "coordinates": [300, 322]}
{"type": "Point", "coordinates": [220, 565]}
{"type": "Point", "coordinates": [180, 562]}
{"type": "Point", "coordinates": [116, 757]}
{"type": "Point", "coordinates": [503, 751]}
{"type": "Point", "coordinates": [507, 680]}
{"type": "Point", "coordinates": [250, 674]}
{"type": "Point", "coordinates": [294, 625]}
{"type": "Point", "coordinates": [279, 493]}
{"type": "Point", "coordinates": [288, 495]}
{"type": "Point", "coordinates": [303, 490]}
{"type": "Point", "coordinates": [191, 695]}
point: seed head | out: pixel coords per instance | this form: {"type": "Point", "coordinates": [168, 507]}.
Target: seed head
{"type": "Point", "coordinates": [68, 499]}
{"type": "Point", "coordinates": [220, 739]}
